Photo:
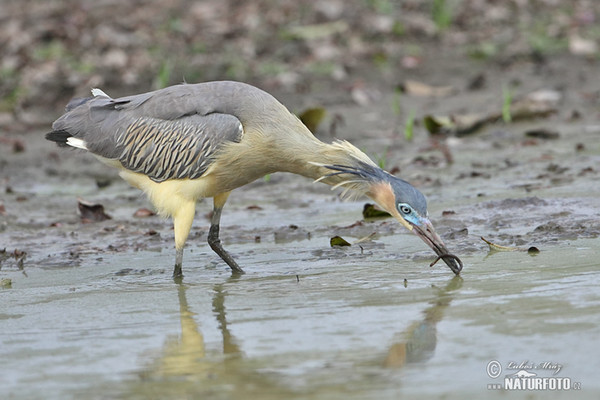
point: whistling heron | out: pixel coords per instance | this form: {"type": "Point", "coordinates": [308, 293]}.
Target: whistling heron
{"type": "Point", "coordinates": [186, 142]}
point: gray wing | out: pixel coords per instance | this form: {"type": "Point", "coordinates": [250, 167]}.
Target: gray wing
{"type": "Point", "coordinates": [177, 149]}
{"type": "Point", "coordinates": [171, 139]}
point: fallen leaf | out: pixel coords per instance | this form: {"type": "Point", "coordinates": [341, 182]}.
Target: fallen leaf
{"type": "Point", "coordinates": [312, 117]}
{"type": "Point", "coordinates": [420, 89]}
{"type": "Point", "coordinates": [542, 133]}
{"type": "Point", "coordinates": [582, 47]}
{"type": "Point", "coordinates": [535, 105]}
{"type": "Point", "coordinates": [496, 247]}
{"type": "Point", "coordinates": [528, 108]}
{"type": "Point", "coordinates": [338, 241]}
{"type": "Point", "coordinates": [459, 125]}
{"type": "Point", "coordinates": [91, 212]}
{"type": "Point", "coordinates": [143, 213]}
{"type": "Point", "coordinates": [369, 211]}
{"type": "Point", "coordinates": [363, 95]}
{"type": "Point", "coordinates": [545, 96]}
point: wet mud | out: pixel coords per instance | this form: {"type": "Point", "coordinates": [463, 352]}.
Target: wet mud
{"type": "Point", "coordinates": [89, 309]}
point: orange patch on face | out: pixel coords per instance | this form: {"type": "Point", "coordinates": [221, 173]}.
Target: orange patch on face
{"type": "Point", "coordinates": [382, 194]}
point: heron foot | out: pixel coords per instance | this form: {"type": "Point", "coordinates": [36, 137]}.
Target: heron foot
{"type": "Point", "coordinates": [215, 244]}
{"type": "Point", "coordinates": [177, 271]}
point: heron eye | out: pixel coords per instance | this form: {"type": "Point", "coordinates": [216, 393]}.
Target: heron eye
{"type": "Point", "coordinates": [405, 209]}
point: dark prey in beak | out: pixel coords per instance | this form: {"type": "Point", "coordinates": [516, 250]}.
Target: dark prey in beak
{"type": "Point", "coordinates": [433, 240]}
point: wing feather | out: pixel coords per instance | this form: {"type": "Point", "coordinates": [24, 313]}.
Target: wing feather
{"type": "Point", "coordinates": [175, 149]}
{"type": "Point", "coordinates": [172, 133]}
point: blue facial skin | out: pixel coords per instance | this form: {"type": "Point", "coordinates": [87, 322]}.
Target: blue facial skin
{"type": "Point", "coordinates": [410, 202]}
{"type": "Point", "coordinates": [410, 215]}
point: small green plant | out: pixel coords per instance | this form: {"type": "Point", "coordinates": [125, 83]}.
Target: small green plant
{"type": "Point", "coordinates": [382, 160]}
{"type": "Point", "coordinates": [321, 68]}
{"type": "Point", "coordinates": [441, 14]}
{"type": "Point", "coordinates": [507, 96]}
{"type": "Point", "coordinates": [164, 75]}
{"type": "Point", "coordinates": [409, 126]}
{"type": "Point", "coordinates": [381, 60]}
{"type": "Point", "coordinates": [398, 28]}
{"type": "Point", "coordinates": [381, 6]}
{"type": "Point", "coordinates": [53, 50]}
{"type": "Point", "coordinates": [271, 68]}
{"type": "Point", "coordinates": [483, 50]}
{"type": "Point", "coordinates": [541, 41]}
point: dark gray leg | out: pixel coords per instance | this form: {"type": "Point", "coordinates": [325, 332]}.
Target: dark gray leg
{"type": "Point", "coordinates": [177, 272]}
{"type": "Point", "coordinates": [213, 235]}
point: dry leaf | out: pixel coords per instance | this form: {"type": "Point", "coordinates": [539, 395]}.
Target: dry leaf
{"type": "Point", "coordinates": [421, 89]}
{"type": "Point", "coordinates": [91, 212]}
{"type": "Point", "coordinates": [143, 213]}
{"type": "Point", "coordinates": [542, 133]}
{"type": "Point", "coordinates": [582, 47]}
{"type": "Point", "coordinates": [496, 247]}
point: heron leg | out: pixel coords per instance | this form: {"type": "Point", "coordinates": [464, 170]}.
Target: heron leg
{"type": "Point", "coordinates": [213, 234]}
{"type": "Point", "coordinates": [182, 222]}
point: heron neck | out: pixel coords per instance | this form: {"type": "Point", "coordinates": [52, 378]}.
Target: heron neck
{"type": "Point", "coordinates": [307, 156]}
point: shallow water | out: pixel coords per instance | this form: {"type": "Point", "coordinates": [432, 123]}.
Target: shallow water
{"type": "Point", "coordinates": [300, 326]}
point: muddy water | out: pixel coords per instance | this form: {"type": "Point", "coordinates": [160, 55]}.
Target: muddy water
{"type": "Point", "coordinates": [92, 312]}
{"type": "Point", "coordinates": [301, 326]}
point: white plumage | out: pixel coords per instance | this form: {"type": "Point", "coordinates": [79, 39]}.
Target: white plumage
{"type": "Point", "coordinates": [75, 142]}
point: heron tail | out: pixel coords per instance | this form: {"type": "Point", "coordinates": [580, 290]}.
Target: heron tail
{"type": "Point", "coordinates": [59, 137]}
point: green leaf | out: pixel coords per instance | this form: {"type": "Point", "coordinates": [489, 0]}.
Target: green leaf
{"type": "Point", "coordinates": [338, 241]}
{"type": "Point", "coordinates": [409, 127]}
{"type": "Point", "coordinates": [432, 125]}
{"type": "Point", "coordinates": [312, 117]}
{"type": "Point", "coordinates": [369, 211]}
{"type": "Point", "coordinates": [507, 95]}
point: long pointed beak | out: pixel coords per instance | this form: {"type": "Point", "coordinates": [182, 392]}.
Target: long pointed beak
{"type": "Point", "coordinates": [428, 234]}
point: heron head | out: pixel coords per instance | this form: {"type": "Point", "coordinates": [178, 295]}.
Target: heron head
{"type": "Point", "coordinates": [399, 198]}
{"type": "Point", "coordinates": [409, 207]}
